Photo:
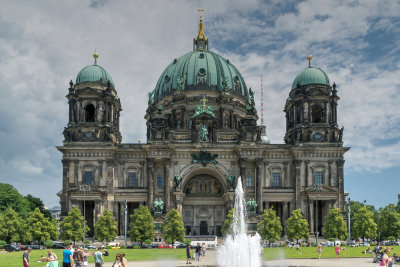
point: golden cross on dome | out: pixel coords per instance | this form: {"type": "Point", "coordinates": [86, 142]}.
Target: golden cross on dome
{"type": "Point", "coordinates": [204, 101]}
{"type": "Point", "coordinates": [200, 10]}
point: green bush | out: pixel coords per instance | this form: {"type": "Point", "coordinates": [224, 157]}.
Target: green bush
{"type": "Point", "coordinates": [136, 247]}
{"type": "Point", "coordinates": [391, 238]}
{"type": "Point", "coordinates": [187, 242]}
{"type": "Point", "coordinates": [48, 243]}
{"type": "Point", "coordinates": [122, 247]}
{"type": "Point", "coordinates": [2, 243]}
{"type": "Point", "coordinates": [342, 244]}
{"type": "Point", "coordinates": [67, 242]}
{"type": "Point", "coordinates": [108, 247]}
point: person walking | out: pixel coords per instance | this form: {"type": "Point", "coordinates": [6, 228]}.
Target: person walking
{"type": "Point", "coordinates": [197, 251]}
{"type": "Point", "coordinates": [78, 257]}
{"type": "Point", "coordinates": [337, 251]}
{"type": "Point", "coordinates": [188, 255]}
{"type": "Point", "coordinates": [203, 250]}
{"type": "Point", "coordinates": [25, 257]}
{"type": "Point", "coordinates": [86, 254]}
{"type": "Point", "coordinates": [67, 257]}
{"type": "Point", "coordinates": [98, 258]}
{"type": "Point", "coordinates": [119, 261]}
{"type": "Point", "coordinates": [319, 249]}
{"type": "Point", "coordinates": [385, 258]}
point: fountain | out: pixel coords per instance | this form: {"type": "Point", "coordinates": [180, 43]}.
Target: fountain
{"type": "Point", "coordinates": [240, 249]}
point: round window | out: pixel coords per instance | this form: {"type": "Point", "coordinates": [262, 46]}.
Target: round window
{"type": "Point", "coordinates": [201, 55]}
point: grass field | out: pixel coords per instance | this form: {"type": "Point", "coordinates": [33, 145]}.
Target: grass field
{"type": "Point", "coordinates": [14, 259]}
{"type": "Point", "coordinates": [311, 252]}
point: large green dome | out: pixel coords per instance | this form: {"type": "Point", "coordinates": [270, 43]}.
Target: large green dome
{"type": "Point", "coordinates": [310, 75]}
{"type": "Point", "coordinates": [94, 73]}
{"type": "Point", "coordinates": [200, 70]}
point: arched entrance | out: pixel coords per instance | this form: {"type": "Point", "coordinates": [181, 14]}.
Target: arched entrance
{"type": "Point", "coordinates": [204, 205]}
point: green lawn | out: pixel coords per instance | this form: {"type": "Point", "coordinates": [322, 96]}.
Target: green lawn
{"type": "Point", "coordinates": [311, 252]}
{"type": "Point", "coordinates": [14, 259]}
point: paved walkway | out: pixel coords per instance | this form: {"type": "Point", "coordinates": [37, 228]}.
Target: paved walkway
{"type": "Point", "coordinates": [210, 260]}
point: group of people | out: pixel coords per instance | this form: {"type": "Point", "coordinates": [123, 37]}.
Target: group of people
{"type": "Point", "coordinates": [199, 252]}
{"type": "Point", "coordinates": [78, 256]}
{"type": "Point", "coordinates": [51, 258]}
{"type": "Point", "coordinates": [337, 250]}
{"type": "Point", "coordinates": [382, 256]}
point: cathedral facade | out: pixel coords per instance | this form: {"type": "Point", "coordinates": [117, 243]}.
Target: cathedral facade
{"type": "Point", "coordinates": [202, 136]}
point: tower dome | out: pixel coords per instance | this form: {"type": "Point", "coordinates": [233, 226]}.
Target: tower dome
{"type": "Point", "coordinates": [200, 69]}
{"type": "Point", "coordinates": [310, 75]}
{"type": "Point", "coordinates": [94, 73]}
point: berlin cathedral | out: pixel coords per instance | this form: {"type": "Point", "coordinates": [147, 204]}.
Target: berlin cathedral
{"type": "Point", "coordinates": [202, 136]}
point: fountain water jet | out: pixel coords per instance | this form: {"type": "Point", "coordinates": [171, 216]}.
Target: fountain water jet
{"type": "Point", "coordinates": [240, 249]}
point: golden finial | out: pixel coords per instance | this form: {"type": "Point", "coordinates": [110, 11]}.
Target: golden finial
{"type": "Point", "coordinates": [309, 57]}
{"type": "Point", "coordinates": [95, 55]}
{"type": "Point", "coordinates": [201, 34]}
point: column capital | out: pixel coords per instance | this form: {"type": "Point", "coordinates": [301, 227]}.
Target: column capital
{"type": "Point", "coordinates": [340, 162]}
{"type": "Point", "coordinates": [297, 163]}
{"type": "Point", "coordinates": [167, 161]}
{"type": "Point", "coordinates": [242, 162]}
{"type": "Point", "coordinates": [259, 162]}
{"type": "Point", "coordinates": [150, 162]}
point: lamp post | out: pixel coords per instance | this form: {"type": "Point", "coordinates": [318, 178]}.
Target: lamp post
{"type": "Point", "coordinates": [126, 220]}
{"type": "Point", "coordinates": [84, 188]}
{"type": "Point", "coordinates": [316, 188]}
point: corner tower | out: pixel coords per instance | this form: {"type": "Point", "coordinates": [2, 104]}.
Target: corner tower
{"type": "Point", "coordinates": [94, 107]}
{"type": "Point", "coordinates": [311, 109]}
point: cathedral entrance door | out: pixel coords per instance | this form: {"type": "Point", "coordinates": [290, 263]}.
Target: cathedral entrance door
{"type": "Point", "coordinates": [203, 228]}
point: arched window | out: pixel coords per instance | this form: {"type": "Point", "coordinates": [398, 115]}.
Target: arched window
{"type": "Point", "coordinates": [316, 114]}
{"type": "Point", "coordinates": [89, 113]}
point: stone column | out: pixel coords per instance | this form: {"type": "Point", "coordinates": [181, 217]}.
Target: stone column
{"type": "Point", "coordinates": [330, 162]}
{"type": "Point", "coordinates": [297, 179]}
{"type": "Point", "coordinates": [311, 215]}
{"type": "Point", "coordinates": [97, 210]}
{"type": "Point", "coordinates": [306, 174]}
{"type": "Point", "coordinates": [259, 162]}
{"type": "Point", "coordinates": [150, 188]}
{"type": "Point", "coordinates": [167, 166]}
{"type": "Point", "coordinates": [340, 164]}
{"type": "Point", "coordinates": [242, 165]}
{"type": "Point", "coordinates": [285, 215]}
{"type": "Point", "coordinates": [122, 218]}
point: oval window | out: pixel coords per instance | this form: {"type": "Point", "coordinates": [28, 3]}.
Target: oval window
{"type": "Point", "coordinates": [236, 79]}
{"type": "Point", "coordinates": [201, 55]}
{"type": "Point", "coordinates": [202, 71]}
{"type": "Point", "coordinates": [167, 78]}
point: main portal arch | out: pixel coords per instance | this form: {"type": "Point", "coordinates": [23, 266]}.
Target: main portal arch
{"type": "Point", "coordinates": [204, 205]}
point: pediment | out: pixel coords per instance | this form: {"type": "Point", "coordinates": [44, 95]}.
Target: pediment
{"type": "Point", "coordinates": [324, 189]}
{"type": "Point", "coordinates": [87, 91]}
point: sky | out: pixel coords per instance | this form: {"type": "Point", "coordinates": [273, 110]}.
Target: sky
{"type": "Point", "coordinates": [44, 44]}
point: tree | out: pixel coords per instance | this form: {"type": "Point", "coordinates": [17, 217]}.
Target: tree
{"type": "Point", "coordinates": [226, 227]}
{"type": "Point", "coordinates": [11, 198]}
{"type": "Point", "coordinates": [270, 227]}
{"type": "Point", "coordinates": [335, 227]}
{"type": "Point", "coordinates": [106, 227]}
{"type": "Point", "coordinates": [364, 225]}
{"type": "Point", "coordinates": [172, 228]}
{"type": "Point", "coordinates": [72, 226]}
{"type": "Point", "coordinates": [40, 227]}
{"type": "Point", "coordinates": [389, 222]}
{"type": "Point", "coordinates": [12, 227]}
{"type": "Point", "coordinates": [297, 226]}
{"type": "Point", "coordinates": [141, 226]}
{"type": "Point", "coordinates": [355, 206]}
{"type": "Point", "coordinates": [35, 202]}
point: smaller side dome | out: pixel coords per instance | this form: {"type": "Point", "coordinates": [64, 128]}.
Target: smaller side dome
{"type": "Point", "coordinates": [311, 75]}
{"type": "Point", "coordinates": [94, 73]}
